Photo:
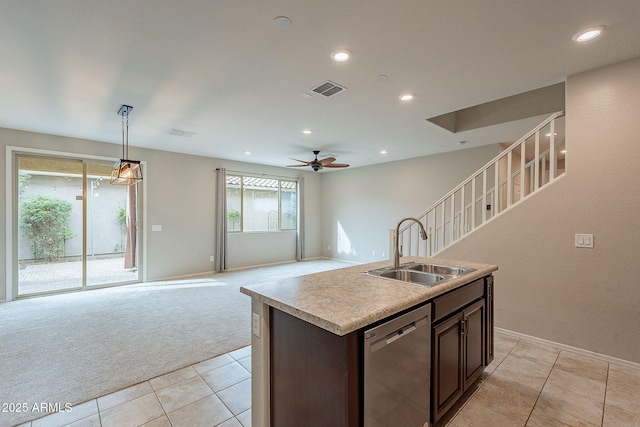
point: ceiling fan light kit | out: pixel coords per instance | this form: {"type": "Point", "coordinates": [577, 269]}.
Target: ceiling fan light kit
{"type": "Point", "coordinates": [316, 164]}
{"type": "Point", "coordinates": [126, 172]}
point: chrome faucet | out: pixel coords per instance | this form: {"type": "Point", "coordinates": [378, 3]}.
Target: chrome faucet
{"type": "Point", "coordinates": [423, 234]}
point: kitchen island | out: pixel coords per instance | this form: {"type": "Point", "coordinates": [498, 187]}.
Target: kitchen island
{"type": "Point", "coordinates": [307, 333]}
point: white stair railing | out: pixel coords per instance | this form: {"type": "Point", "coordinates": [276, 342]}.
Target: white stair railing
{"type": "Point", "coordinates": [526, 166]}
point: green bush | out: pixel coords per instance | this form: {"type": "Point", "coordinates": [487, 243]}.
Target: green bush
{"type": "Point", "coordinates": [121, 219]}
{"type": "Point", "coordinates": [46, 224]}
{"type": "Point", "coordinates": [233, 216]}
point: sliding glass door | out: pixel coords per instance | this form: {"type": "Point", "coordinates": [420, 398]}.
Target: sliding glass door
{"type": "Point", "coordinates": [111, 229]}
{"type": "Point", "coordinates": [74, 229]}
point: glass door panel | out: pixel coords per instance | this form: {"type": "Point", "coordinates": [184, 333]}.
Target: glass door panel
{"type": "Point", "coordinates": [111, 229]}
{"type": "Point", "coordinates": [50, 215]}
{"type": "Point", "coordinates": [75, 230]}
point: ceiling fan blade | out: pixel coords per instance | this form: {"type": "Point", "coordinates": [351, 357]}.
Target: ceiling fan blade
{"type": "Point", "coordinates": [301, 161]}
{"type": "Point", "coordinates": [336, 165]}
{"type": "Point", "coordinates": [327, 160]}
{"type": "Point", "coordinates": [298, 166]}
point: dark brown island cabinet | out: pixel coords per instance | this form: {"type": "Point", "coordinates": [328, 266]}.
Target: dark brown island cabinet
{"type": "Point", "coordinates": [316, 377]}
{"type": "Point", "coordinates": [462, 342]}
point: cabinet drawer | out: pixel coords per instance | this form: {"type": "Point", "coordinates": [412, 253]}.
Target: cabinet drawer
{"type": "Point", "coordinates": [453, 301]}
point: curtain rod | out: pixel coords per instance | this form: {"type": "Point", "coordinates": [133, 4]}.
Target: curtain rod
{"type": "Point", "coordinates": [260, 175]}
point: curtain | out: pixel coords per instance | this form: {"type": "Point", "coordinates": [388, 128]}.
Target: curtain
{"type": "Point", "coordinates": [130, 248]}
{"type": "Point", "coordinates": [221, 219]}
{"type": "Point", "coordinates": [300, 230]}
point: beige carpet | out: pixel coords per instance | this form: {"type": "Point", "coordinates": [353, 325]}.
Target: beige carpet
{"type": "Point", "coordinates": [75, 347]}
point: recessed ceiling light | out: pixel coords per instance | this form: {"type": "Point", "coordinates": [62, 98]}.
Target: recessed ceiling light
{"type": "Point", "coordinates": [381, 77]}
{"type": "Point", "coordinates": [341, 55]}
{"type": "Point", "coordinates": [589, 34]}
{"type": "Point", "coordinates": [406, 97]}
{"type": "Point", "coordinates": [383, 151]}
{"type": "Point", "coordinates": [282, 22]}
{"type": "Point", "coordinates": [306, 132]}
{"type": "Point", "coordinates": [247, 152]}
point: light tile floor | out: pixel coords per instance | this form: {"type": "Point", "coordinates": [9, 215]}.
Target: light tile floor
{"type": "Point", "coordinates": [537, 385]}
{"type": "Point", "coordinates": [216, 392]}
{"type": "Point", "coordinates": [527, 384]}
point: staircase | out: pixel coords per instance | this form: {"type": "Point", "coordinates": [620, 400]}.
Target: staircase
{"type": "Point", "coordinates": [522, 169]}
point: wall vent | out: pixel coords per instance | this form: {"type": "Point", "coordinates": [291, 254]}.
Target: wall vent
{"type": "Point", "coordinates": [182, 133]}
{"type": "Point", "coordinates": [328, 88]}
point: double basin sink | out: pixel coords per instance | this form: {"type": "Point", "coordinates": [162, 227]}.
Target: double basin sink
{"type": "Point", "coordinates": [420, 273]}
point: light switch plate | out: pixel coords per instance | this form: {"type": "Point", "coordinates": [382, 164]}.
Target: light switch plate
{"type": "Point", "coordinates": [584, 240]}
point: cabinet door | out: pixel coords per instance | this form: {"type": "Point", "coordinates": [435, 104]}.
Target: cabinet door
{"type": "Point", "coordinates": [473, 335]}
{"type": "Point", "coordinates": [447, 365]}
{"type": "Point", "coordinates": [489, 312]}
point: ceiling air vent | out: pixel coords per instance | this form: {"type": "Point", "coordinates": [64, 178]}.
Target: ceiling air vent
{"type": "Point", "coordinates": [182, 133]}
{"type": "Point", "coordinates": [328, 88]}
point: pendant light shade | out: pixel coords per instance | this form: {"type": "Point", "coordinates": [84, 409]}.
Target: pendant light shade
{"type": "Point", "coordinates": [126, 172]}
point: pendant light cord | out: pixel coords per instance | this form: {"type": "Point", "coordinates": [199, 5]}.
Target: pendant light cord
{"type": "Point", "coordinates": [125, 142]}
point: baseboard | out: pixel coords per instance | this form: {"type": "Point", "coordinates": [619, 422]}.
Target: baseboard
{"type": "Point", "coordinates": [248, 267]}
{"type": "Point", "coordinates": [589, 353]}
{"type": "Point", "coordinates": [320, 258]}
{"type": "Point", "coordinates": [343, 260]}
{"type": "Point", "coordinates": [272, 264]}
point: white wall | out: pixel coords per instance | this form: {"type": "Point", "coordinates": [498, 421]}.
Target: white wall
{"type": "Point", "coordinates": [261, 248]}
{"type": "Point", "coordinates": [547, 288]}
{"type": "Point", "coordinates": [361, 205]}
{"type": "Point", "coordinates": [182, 203]}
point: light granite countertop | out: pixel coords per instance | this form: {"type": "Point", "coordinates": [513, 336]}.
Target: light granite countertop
{"type": "Point", "coordinates": [345, 300]}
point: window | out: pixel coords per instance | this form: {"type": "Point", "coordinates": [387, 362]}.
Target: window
{"type": "Point", "coordinates": [261, 204]}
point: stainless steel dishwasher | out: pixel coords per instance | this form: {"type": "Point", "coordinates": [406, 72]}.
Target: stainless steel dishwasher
{"type": "Point", "coordinates": [397, 371]}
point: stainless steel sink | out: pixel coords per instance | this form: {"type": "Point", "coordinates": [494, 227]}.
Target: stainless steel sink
{"type": "Point", "coordinates": [420, 273]}
{"type": "Point", "coordinates": [439, 269]}
{"type": "Point", "coordinates": [413, 276]}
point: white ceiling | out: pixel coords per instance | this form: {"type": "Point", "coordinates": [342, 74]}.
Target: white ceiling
{"type": "Point", "coordinates": [221, 69]}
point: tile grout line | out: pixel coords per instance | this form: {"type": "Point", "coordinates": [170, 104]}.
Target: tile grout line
{"type": "Point", "coordinates": [99, 412]}
{"type": "Point", "coordinates": [218, 397]}
{"type": "Point", "coordinates": [155, 393]}
{"type": "Point", "coordinates": [482, 384]}
{"type": "Point", "coordinates": [606, 389]}
{"type": "Point", "coordinates": [505, 358]}
{"type": "Point", "coordinates": [545, 383]}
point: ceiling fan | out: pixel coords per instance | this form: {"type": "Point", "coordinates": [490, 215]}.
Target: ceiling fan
{"type": "Point", "coordinates": [316, 164]}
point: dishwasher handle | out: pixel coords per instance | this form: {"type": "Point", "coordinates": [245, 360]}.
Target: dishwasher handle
{"type": "Point", "coordinates": [401, 332]}
{"type": "Point", "coordinates": [397, 334]}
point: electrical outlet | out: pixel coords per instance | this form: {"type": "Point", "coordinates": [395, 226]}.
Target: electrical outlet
{"type": "Point", "coordinates": [329, 248]}
{"type": "Point", "coordinates": [382, 254]}
{"type": "Point", "coordinates": [373, 253]}
{"type": "Point", "coordinates": [212, 258]}
{"type": "Point", "coordinates": [255, 324]}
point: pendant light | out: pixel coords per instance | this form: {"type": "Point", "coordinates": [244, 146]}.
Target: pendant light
{"type": "Point", "coordinates": [126, 172]}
